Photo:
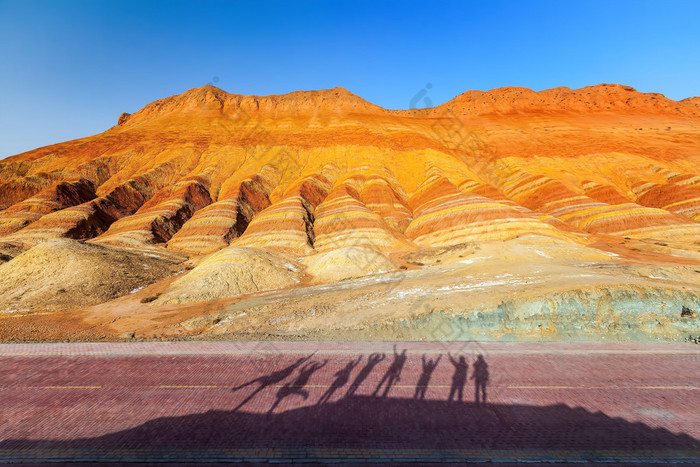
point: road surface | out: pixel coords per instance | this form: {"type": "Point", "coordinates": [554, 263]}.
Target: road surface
{"type": "Point", "coordinates": [350, 402]}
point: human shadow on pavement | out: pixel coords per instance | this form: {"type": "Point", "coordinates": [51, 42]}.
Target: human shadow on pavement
{"type": "Point", "coordinates": [459, 377]}
{"type": "Point", "coordinates": [424, 379]}
{"type": "Point", "coordinates": [480, 375]}
{"type": "Point", "coordinates": [393, 374]}
{"type": "Point", "coordinates": [298, 385]}
{"type": "Point", "coordinates": [372, 426]}
{"type": "Point", "coordinates": [342, 376]}
{"type": "Point", "coordinates": [372, 361]}
{"type": "Point", "coordinates": [265, 381]}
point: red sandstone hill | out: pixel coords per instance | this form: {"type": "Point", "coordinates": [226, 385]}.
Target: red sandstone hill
{"type": "Point", "coordinates": [601, 98]}
{"type": "Point", "coordinates": [212, 100]}
{"type": "Point", "coordinates": [142, 180]}
{"type": "Point", "coordinates": [297, 185]}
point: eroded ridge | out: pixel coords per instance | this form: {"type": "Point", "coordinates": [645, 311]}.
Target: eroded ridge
{"type": "Point", "coordinates": [343, 220]}
{"type": "Point", "coordinates": [90, 219]}
{"type": "Point", "coordinates": [159, 218]}
{"type": "Point", "coordinates": [444, 215]}
{"type": "Point", "coordinates": [288, 224]}
{"type": "Point", "coordinates": [626, 219]}
{"type": "Point", "coordinates": [55, 198]}
{"type": "Point", "coordinates": [217, 225]}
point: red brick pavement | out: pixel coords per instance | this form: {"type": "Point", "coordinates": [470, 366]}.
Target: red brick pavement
{"type": "Point", "coordinates": [157, 401]}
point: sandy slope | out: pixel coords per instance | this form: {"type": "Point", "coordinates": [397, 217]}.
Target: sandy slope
{"type": "Point", "coordinates": [523, 289]}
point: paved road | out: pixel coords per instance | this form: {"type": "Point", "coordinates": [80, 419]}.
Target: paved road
{"type": "Point", "coordinates": [350, 402]}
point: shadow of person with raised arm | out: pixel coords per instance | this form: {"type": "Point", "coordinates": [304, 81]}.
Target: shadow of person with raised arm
{"type": "Point", "coordinates": [428, 368]}
{"type": "Point", "coordinates": [268, 380]}
{"type": "Point", "coordinates": [372, 361]}
{"type": "Point", "coordinates": [459, 378]}
{"type": "Point", "coordinates": [393, 374]}
{"type": "Point", "coordinates": [297, 386]}
{"type": "Point", "coordinates": [342, 376]}
{"type": "Point", "coordinates": [481, 379]}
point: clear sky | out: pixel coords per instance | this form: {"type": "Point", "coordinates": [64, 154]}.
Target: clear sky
{"type": "Point", "coordinates": [70, 67]}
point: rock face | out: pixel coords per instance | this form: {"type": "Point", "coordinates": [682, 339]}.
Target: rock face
{"type": "Point", "coordinates": [311, 175]}
{"type": "Point", "coordinates": [123, 118]}
{"type": "Point", "coordinates": [90, 219]}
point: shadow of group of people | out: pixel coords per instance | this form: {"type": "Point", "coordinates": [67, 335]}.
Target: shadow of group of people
{"type": "Point", "coordinates": [306, 368]}
{"type": "Point", "coordinates": [480, 376]}
{"type": "Point", "coordinates": [311, 409]}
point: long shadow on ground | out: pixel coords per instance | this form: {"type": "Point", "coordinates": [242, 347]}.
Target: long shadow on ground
{"type": "Point", "coordinates": [371, 428]}
{"type": "Point", "coordinates": [365, 426]}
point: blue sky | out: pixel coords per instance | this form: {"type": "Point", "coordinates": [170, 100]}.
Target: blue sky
{"type": "Point", "coordinates": [68, 68]}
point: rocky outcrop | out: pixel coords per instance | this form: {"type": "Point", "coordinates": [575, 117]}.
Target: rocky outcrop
{"type": "Point", "coordinates": [388, 200]}
{"type": "Point", "coordinates": [318, 170]}
{"type": "Point", "coordinates": [288, 225]}
{"type": "Point", "coordinates": [680, 194]}
{"type": "Point", "coordinates": [123, 118]}
{"type": "Point", "coordinates": [600, 98]}
{"type": "Point", "coordinates": [544, 194]}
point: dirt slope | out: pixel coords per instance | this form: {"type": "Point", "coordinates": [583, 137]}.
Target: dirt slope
{"type": "Point", "coordinates": [65, 273]}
